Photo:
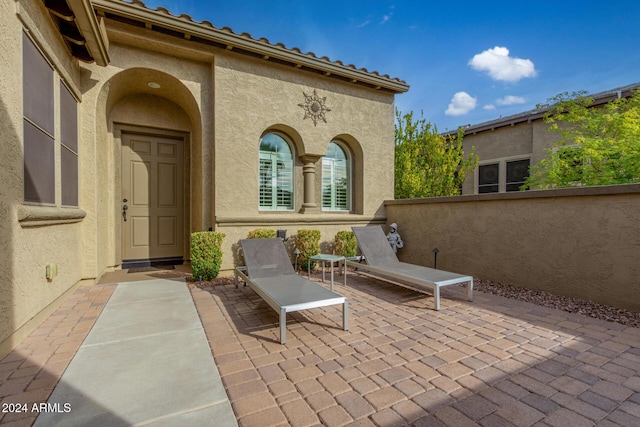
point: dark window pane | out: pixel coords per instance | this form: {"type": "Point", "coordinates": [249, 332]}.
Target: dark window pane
{"type": "Point", "coordinates": [488, 189]}
{"type": "Point", "coordinates": [68, 119]}
{"type": "Point", "coordinates": [488, 174]}
{"type": "Point", "coordinates": [517, 173]}
{"type": "Point", "coordinates": [37, 87]}
{"type": "Point", "coordinates": [39, 166]}
{"type": "Point", "coordinates": [69, 179]}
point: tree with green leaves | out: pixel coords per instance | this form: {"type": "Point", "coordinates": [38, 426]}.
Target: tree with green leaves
{"type": "Point", "coordinates": [599, 145]}
{"type": "Point", "coordinates": [428, 164]}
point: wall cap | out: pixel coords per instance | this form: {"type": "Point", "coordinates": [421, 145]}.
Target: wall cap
{"type": "Point", "coordinates": [604, 190]}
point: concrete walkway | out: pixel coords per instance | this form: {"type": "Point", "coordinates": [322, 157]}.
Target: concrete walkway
{"type": "Point", "coordinates": [146, 361]}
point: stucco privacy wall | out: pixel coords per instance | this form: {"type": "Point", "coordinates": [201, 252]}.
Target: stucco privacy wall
{"type": "Point", "coordinates": [27, 244]}
{"type": "Point", "coordinates": [581, 242]}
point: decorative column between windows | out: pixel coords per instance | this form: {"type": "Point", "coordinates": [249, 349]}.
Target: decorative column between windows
{"type": "Point", "coordinates": [309, 174]}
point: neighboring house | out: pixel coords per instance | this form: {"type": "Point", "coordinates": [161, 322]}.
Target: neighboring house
{"type": "Point", "coordinates": [124, 129]}
{"type": "Point", "coordinates": [508, 146]}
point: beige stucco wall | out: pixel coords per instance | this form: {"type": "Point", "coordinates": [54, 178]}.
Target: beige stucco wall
{"type": "Point", "coordinates": [28, 239]}
{"type": "Point", "coordinates": [581, 242]}
{"type": "Point", "coordinates": [235, 101]}
{"type": "Point", "coordinates": [252, 99]}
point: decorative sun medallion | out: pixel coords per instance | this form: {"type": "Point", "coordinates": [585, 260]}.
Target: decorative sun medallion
{"type": "Point", "coordinates": [314, 107]}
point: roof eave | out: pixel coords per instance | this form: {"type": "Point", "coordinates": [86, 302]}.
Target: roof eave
{"type": "Point", "coordinates": [92, 29]}
{"type": "Point", "coordinates": [232, 40]}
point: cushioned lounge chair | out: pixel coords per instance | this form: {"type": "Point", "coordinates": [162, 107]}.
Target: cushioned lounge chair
{"type": "Point", "coordinates": [270, 274]}
{"type": "Point", "coordinates": [381, 259]}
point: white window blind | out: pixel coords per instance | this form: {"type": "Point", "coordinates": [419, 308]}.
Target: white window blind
{"type": "Point", "coordinates": [335, 180]}
{"type": "Point", "coordinates": [276, 174]}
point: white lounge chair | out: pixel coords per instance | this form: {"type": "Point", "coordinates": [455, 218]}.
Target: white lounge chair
{"type": "Point", "coordinates": [270, 274]}
{"type": "Point", "coordinates": [381, 259]}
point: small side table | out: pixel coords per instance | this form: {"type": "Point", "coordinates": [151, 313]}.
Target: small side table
{"type": "Point", "coordinates": [331, 259]}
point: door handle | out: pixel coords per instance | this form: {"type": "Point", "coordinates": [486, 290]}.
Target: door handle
{"type": "Point", "coordinates": [124, 212]}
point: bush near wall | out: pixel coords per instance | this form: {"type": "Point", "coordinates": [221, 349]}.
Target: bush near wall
{"type": "Point", "coordinates": [206, 254]}
{"type": "Point", "coordinates": [262, 233]}
{"type": "Point", "coordinates": [308, 243]}
{"type": "Point", "coordinates": [346, 244]}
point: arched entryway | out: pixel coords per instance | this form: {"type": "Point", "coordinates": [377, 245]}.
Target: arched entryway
{"type": "Point", "coordinates": [154, 125]}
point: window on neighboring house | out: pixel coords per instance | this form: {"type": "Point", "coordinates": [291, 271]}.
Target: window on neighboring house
{"type": "Point", "coordinates": [503, 176]}
{"type": "Point", "coordinates": [489, 178]}
{"type": "Point", "coordinates": [336, 185]}
{"type": "Point", "coordinates": [39, 127]}
{"type": "Point", "coordinates": [517, 173]}
{"type": "Point", "coordinates": [276, 173]}
{"type": "Point", "coordinates": [38, 80]}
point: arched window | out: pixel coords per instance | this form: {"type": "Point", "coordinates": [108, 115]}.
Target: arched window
{"type": "Point", "coordinates": [276, 173]}
{"type": "Point", "coordinates": [336, 179]}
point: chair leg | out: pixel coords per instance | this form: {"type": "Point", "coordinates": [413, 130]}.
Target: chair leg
{"type": "Point", "coordinates": [345, 315]}
{"type": "Point", "coordinates": [283, 326]}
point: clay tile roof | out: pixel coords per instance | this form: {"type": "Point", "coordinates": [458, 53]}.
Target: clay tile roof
{"type": "Point", "coordinates": [136, 10]}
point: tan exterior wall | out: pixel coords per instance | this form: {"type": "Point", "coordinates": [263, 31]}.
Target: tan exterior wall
{"type": "Point", "coordinates": [581, 242]}
{"type": "Point", "coordinates": [251, 100]}
{"type": "Point", "coordinates": [31, 236]}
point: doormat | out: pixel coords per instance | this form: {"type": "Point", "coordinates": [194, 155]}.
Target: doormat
{"type": "Point", "coordinates": [151, 268]}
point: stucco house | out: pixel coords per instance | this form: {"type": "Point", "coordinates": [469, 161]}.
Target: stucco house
{"type": "Point", "coordinates": [124, 129]}
{"type": "Point", "coordinates": [509, 145]}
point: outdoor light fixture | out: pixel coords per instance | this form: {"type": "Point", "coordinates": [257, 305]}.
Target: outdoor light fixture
{"type": "Point", "coordinates": [435, 257]}
{"type": "Point", "coordinates": [154, 85]}
{"type": "Point", "coordinates": [296, 252]}
{"type": "Point", "coordinates": [282, 234]}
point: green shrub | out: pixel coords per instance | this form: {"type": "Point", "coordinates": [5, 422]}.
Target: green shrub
{"type": "Point", "coordinates": [346, 244]}
{"type": "Point", "coordinates": [308, 243]}
{"type": "Point", "coordinates": [206, 254]}
{"type": "Point", "coordinates": [262, 233]}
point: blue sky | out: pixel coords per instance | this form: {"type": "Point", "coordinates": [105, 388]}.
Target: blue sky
{"type": "Point", "coordinates": [467, 62]}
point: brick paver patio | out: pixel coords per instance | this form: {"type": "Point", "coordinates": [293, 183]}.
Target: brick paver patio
{"type": "Point", "coordinates": [492, 362]}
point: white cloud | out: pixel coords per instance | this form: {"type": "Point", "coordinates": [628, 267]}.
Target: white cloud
{"type": "Point", "coordinates": [385, 18]}
{"type": "Point", "coordinates": [461, 104]}
{"type": "Point", "coordinates": [510, 100]}
{"type": "Point", "coordinates": [489, 107]}
{"type": "Point", "coordinates": [364, 24]}
{"type": "Point", "coordinates": [500, 66]}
